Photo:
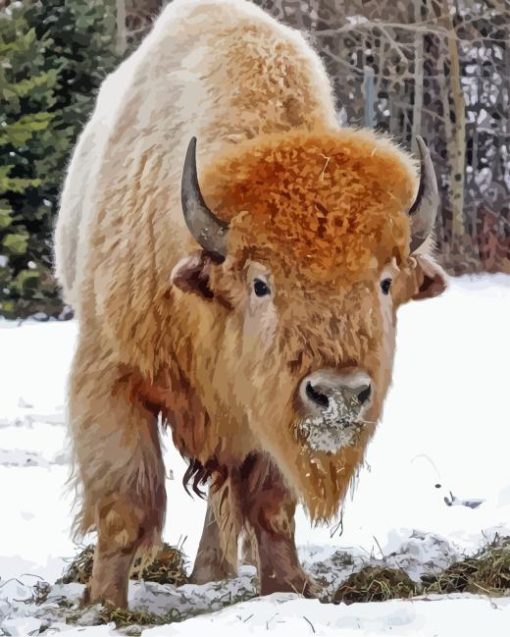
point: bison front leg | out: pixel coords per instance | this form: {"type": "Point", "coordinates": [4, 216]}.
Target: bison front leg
{"type": "Point", "coordinates": [269, 509]}
{"type": "Point", "coordinates": [217, 552]}
{"type": "Point", "coordinates": [119, 470]}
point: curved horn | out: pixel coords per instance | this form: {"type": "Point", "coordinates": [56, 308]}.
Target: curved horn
{"type": "Point", "coordinates": [424, 209]}
{"type": "Point", "coordinates": [210, 232]}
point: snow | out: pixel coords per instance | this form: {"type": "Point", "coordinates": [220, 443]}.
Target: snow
{"type": "Point", "coordinates": [283, 616]}
{"type": "Point", "coordinates": [436, 485]}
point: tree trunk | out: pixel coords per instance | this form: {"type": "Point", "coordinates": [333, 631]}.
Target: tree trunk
{"type": "Point", "coordinates": [458, 160]}
{"type": "Point", "coordinates": [120, 6]}
{"type": "Point", "coordinates": [418, 79]}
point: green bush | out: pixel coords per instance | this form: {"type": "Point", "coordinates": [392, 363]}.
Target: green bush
{"type": "Point", "coordinates": [53, 57]}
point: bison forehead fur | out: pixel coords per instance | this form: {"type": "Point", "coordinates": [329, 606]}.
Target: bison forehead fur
{"type": "Point", "coordinates": [331, 203]}
{"type": "Point", "coordinates": [317, 215]}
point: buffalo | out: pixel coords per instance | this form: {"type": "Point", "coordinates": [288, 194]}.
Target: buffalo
{"type": "Point", "coordinates": [235, 260]}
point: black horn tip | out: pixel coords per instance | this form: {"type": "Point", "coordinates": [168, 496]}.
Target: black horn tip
{"type": "Point", "coordinates": [190, 160]}
{"type": "Point", "coordinates": [192, 146]}
{"type": "Point", "coordinates": [422, 146]}
{"type": "Point", "coordinates": [424, 156]}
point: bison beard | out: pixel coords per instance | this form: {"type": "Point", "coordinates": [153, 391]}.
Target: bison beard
{"type": "Point", "coordinates": [163, 280]}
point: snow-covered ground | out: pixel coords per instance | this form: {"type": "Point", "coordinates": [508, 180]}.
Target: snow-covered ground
{"type": "Point", "coordinates": [436, 484]}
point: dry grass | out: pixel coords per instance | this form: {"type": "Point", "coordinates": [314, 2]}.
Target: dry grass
{"type": "Point", "coordinates": [375, 584]}
{"type": "Point", "coordinates": [124, 617]}
{"type": "Point", "coordinates": [488, 571]}
{"type": "Point", "coordinates": [169, 567]}
{"type": "Point", "coordinates": [80, 568]}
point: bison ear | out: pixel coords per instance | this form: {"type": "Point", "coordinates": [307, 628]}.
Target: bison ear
{"type": "Point", "coordinates": [191, 274]}
{"type": "Point", "coordinates": [431, 279]}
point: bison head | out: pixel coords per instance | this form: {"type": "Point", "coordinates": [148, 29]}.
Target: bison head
{"type": "Point", "coordinates": [314, 242]}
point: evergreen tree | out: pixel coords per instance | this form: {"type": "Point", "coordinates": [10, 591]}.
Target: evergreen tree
{"type": "Point", "coordinates": [53, 57]}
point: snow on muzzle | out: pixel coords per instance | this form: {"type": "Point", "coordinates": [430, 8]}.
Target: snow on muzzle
{"type": "Point", "coordinates": [334, 404]}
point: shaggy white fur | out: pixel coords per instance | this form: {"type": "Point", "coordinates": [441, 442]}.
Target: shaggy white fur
{"type": "Point", "coordinates": [176, 80]}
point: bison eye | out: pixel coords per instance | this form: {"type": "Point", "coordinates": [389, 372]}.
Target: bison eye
{"type": "Point", "coordinates": [385, 286]}
{"type": "Point", "coordinates": [261, 288]}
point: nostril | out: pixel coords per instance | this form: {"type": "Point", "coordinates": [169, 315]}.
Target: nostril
{"type": "Point", "coordinates": [316, 396]}
{"type": "Point", "coordinates": [364, 395]}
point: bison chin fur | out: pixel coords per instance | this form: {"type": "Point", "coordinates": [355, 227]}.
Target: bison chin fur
{"type": "Point", "coordinates": [318, 479]}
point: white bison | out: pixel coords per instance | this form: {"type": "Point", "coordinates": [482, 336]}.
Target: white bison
{"type": "Point", "coordinates": [252, 303]}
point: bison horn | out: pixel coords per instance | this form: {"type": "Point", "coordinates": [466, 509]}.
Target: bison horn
{"type": "Point", "coordinates": [210, 232]}
{"type": "Point", "coordinates": [424, 209]}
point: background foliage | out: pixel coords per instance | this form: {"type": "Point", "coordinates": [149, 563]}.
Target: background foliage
{"type": "Point", "coordinates": [439, 68]}
{"type": "Point", "coordinates": [53, 57]}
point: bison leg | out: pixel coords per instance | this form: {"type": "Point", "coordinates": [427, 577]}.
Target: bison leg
{"type": "Point", "coordinates": [248, 548]}
{"type": "Point", "coordinates": [217, 552]}
{"type": "Point", "coordinates": [119, 470]}
{"type": "Point", "coordinates": [269, 509]}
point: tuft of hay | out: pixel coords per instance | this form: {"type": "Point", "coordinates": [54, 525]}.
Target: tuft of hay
{"type": "Point", "coordinates": [168, 567]}
{"type": "Point", "coordinates": [80, 568]}
{"type": "Point", "coordinates": [122, 617]}
{"type": "Point", "coordinates": [488, 571]}
{"type": "Point", "coordinates": [375, 584]}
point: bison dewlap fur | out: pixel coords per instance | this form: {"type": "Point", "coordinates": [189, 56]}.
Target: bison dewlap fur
{"type": "Point", "coordinates": [250, 300]}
